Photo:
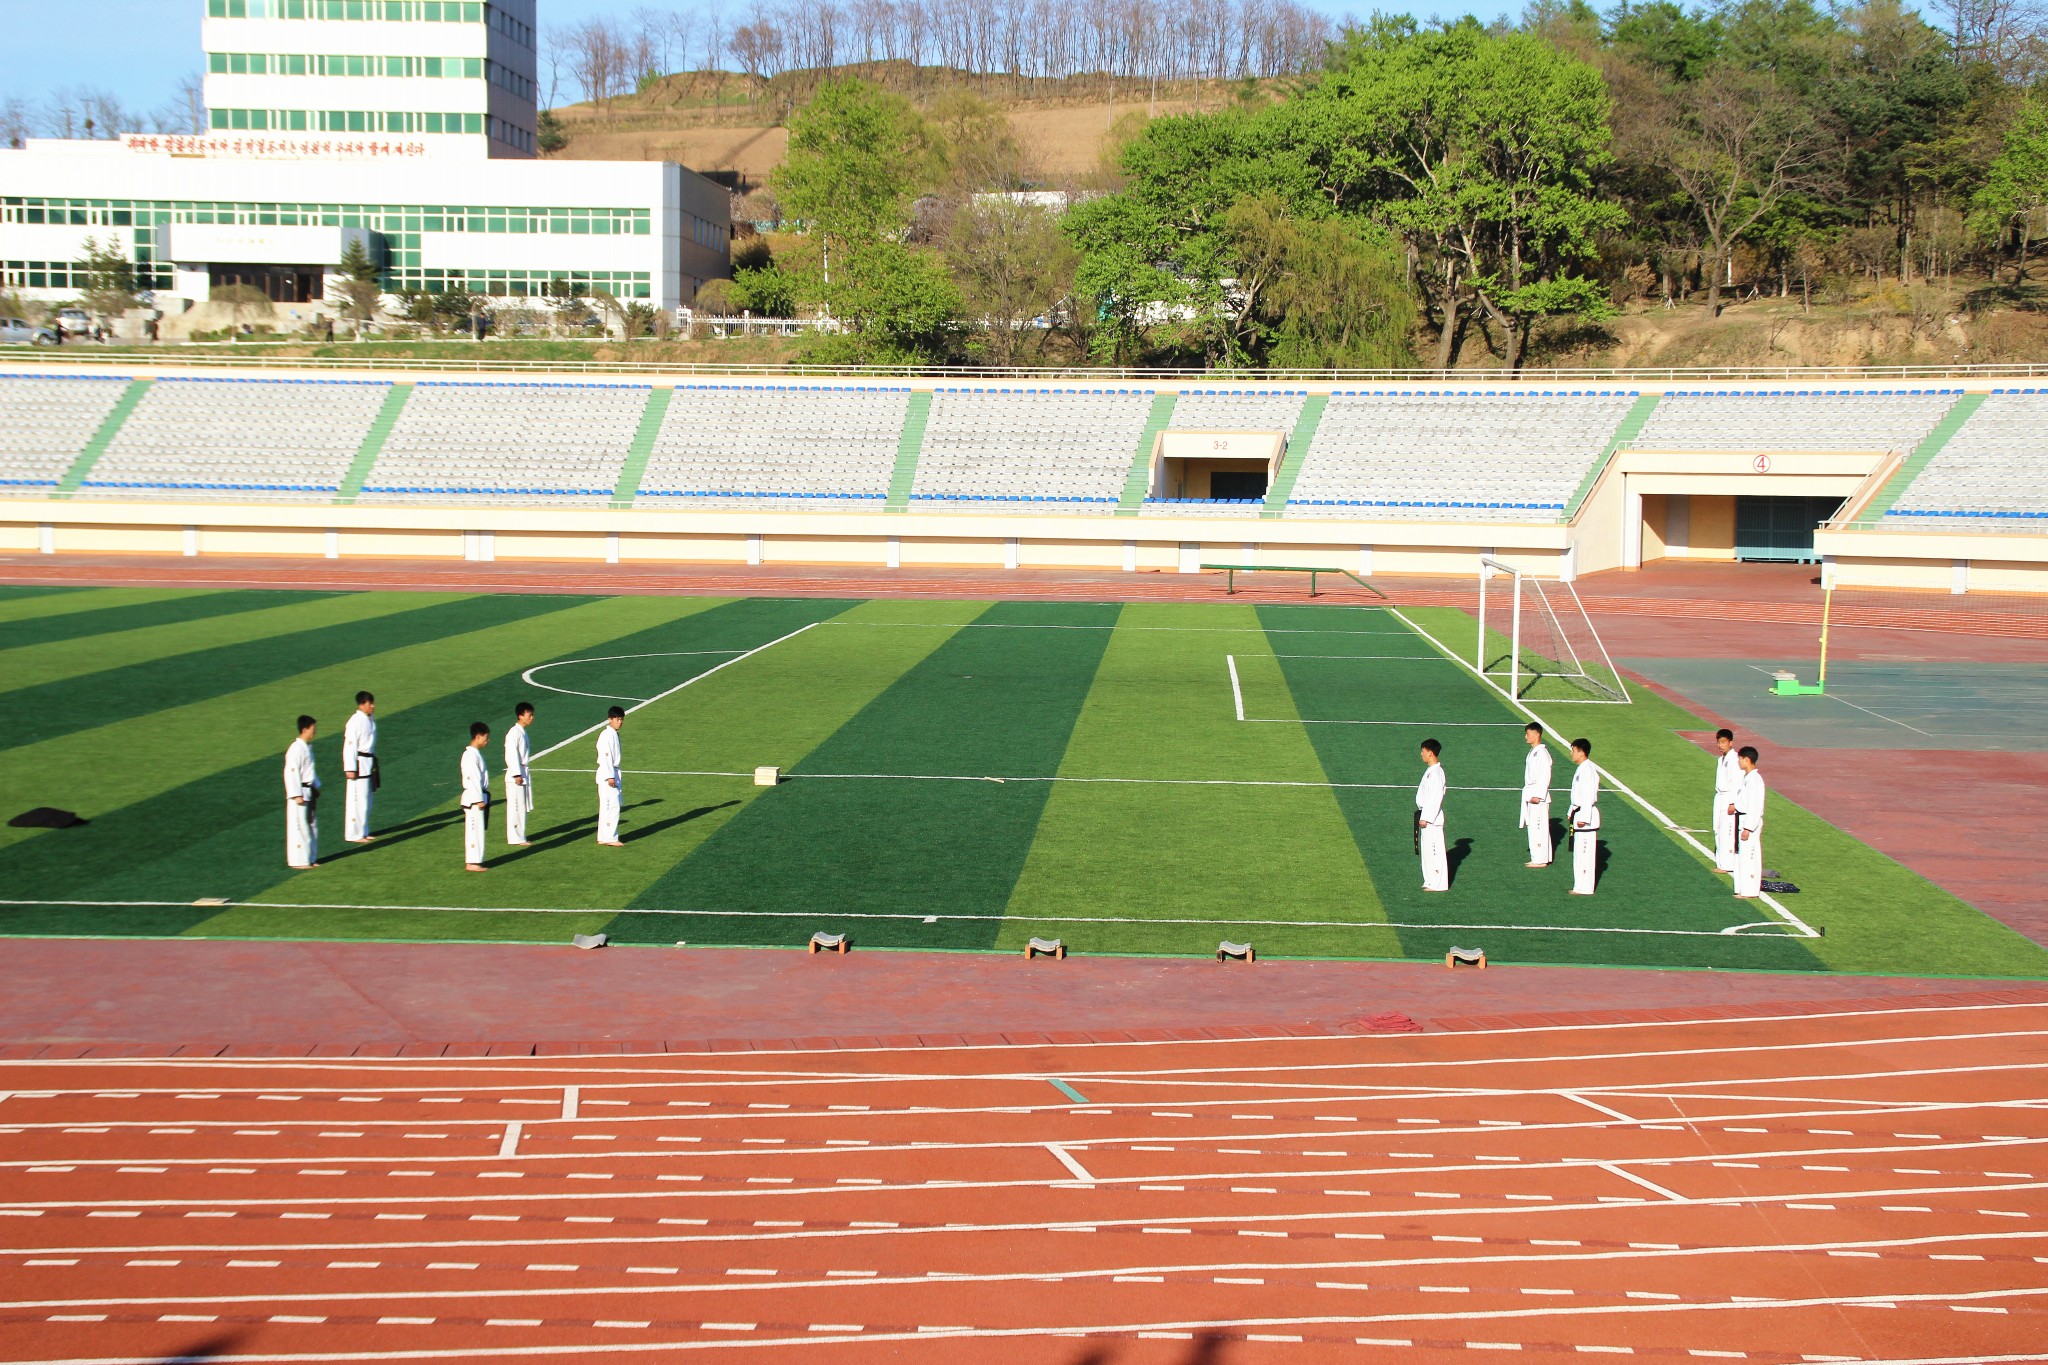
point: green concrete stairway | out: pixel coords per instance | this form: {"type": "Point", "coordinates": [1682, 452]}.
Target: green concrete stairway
{"type": "Point", "coordinates": [102, 438]}
{"type": "Point", "coordinates": [373, 443]}
{"type": "Point", "coordinates": [1297, 450]}
{"type": "Point", "coordinates": [1910, 468]}
{"type": "Point", "coordinates": [643, 446]}
{"type": "Point", "coordinates": [1139, 481]}
{"type": "Point", "coordinates": [908, 447]}
{"type": "Point", "coordinates": [1632, 424]}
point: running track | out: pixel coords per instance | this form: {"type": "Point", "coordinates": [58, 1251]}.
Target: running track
{"type": "Point", "coordinates": [1856, 1186]}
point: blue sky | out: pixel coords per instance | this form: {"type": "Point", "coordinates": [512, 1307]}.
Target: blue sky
{"type": "Point", "coordinates": [138, 49]}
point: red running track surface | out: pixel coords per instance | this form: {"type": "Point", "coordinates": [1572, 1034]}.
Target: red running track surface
{"type": "Point", "coordinates": [1850, 1186]}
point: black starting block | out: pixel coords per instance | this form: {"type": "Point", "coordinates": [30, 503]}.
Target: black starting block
{"type": "Point", "coordinates": [1244, 952]}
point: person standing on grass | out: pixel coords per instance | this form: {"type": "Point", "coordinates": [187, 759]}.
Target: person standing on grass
{"type": "Point", "coordinates": [611, 778]}
{"type": "Point", "coordinates": [301, 796]}
{"type": "Point", "coordinates": [359, 770]}
{"type": "Point", "coordinates": [476, 796]}
{"type": "Point", "coordinates": [1585, 817]}
{"type": "Point", "coordinates": [518, 776]}
{"type": "Point", "coordinates": [1429, 819]}
{"type": "Point", "coordinates": [1749, 827]}
{"type": "Point", "coordinates": [1536, 795]}
{"type": "Point", "coordinates": [1727, 781]}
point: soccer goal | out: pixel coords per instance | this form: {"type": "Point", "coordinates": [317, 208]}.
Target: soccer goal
{"type": "Point", "coordinates": [1536, 642]}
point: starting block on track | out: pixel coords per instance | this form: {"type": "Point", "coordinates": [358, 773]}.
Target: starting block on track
{"type": "Point", "coordinates": [1244, 952]}
{"type": "Point", "coordinates": [1466, 957]}
{"type": "Point", "coordinates": [822, 942]}
{"type": "Point", "coordinates": [590, 940]}
{"type": "Point", "coordinates": [1051, 947]}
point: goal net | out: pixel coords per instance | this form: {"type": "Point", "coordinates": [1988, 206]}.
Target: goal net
{"type": "Point", "coordinates": [1536, 642]}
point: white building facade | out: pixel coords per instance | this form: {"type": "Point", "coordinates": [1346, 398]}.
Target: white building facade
{"type": "Point", "coordinates": [439, 182]}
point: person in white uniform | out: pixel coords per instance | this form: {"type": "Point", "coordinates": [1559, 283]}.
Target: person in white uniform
{"type": "Point", "coordinates": [611, 778]}
{"type": "Point", "coordinates": [1727, 777]}
{"type": "Point", "coordinates": [359, 770]}
{"type": "Point", "coordinates": [518, 776]}
{"type": "Point", "coordinates": [301, 799]}
{"type": "Point", "coordinates": [1749, 827]}
{"type": "Point", "coordinates": [1585, 817]}
{"type": "Point", "coordinates": [1429, 819]}
{"type": "Point", "coordinates": [476, 796]}
{"type": "Point", "coordinates": [1536, 796]}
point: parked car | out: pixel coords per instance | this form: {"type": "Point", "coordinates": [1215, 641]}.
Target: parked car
{"type": "Point", "coordinates": [15, 332]}
{"type": "Point", "coordinates": [75, 321]}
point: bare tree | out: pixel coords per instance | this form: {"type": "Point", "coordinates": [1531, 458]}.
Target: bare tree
{"type": "Point", "coordinates": [1737, 143]}
{"type": "Point", "coordinates": [16, 121]}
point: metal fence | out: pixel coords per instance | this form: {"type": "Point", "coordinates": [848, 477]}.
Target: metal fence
{"type": "Point", "coordinates": [252, 355]}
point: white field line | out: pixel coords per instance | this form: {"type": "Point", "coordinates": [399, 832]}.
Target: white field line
{"type": "Point", "coordinates": [1560, 1256]}
{"type": "Point", "coordinates": [1800, 926]}
{"type": "Point", "coordinates": [1488, 1315]}
{"type": "Point", "coordinates": [970, 777]}
{"type": "Point", "coordinates": [683, 1076]}
{"type": "Point", "coordinates": [1169, 630]}
{"type": "Point", "coordinates": [509, 1144]}
{"type": "Point", "coordinates": [1122, 1142]}
{"type": "Point", "coordinates": [1066, 1159]}
{"type": "Point", "coordinates": [823, 916]}
{"type": "Point", "coordinates": [737, 658]}
{"type": "Point", "coordinates": [528, 678]}
{"type": "Point", "coordinates": [389, 1066]}
{"type": "Point", "coordinates": [1236, 691]}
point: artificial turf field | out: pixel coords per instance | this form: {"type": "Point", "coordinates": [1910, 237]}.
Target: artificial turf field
{"type": "Point", "coordinates": [1136, 813]}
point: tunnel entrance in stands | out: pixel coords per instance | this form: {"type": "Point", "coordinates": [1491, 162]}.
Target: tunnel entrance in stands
{"type": "Point", "coordinates": [1745, 528]}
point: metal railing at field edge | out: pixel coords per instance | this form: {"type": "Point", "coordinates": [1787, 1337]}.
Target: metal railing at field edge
{"type": "Point", "coordinates": [237, 355]}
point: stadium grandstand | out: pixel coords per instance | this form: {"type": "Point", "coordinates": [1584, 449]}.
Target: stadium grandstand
{"type": "Point", "coordinates": [1392, 477]}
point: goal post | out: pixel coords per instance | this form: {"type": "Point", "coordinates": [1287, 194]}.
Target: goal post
{"type": "Point", "coordinates": [1535, 641]}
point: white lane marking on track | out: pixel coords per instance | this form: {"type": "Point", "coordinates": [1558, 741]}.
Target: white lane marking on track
{"type": "Point", "coordinates": [1611, 1113]}
{"type": "Point", "coordinates": [527, 676]}
{"type": "Point", "coordinates": [1804, 929]}
{"type": "Point", "coordinates": [1138, 1328]}
{"type": "Point", "coordinates": [1635, 1179]}
{"type": "Point", "coordinates": [1067, 1160]}
{"type": "Point", "coordinates": [571, 1094]}
{"type": "Point", "coordinates": [737, 658]}
{"type": "Point", "coordinates": [509, 1144]}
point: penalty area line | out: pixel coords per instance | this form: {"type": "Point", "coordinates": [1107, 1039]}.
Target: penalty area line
{"type": "Point", "coordinates": [910, 915]}
{"type": "Point", "coordinates": [975, 777]}
{"type": "Point", "coordinates": [737, 658]}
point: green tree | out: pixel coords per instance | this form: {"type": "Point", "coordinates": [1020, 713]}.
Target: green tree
{"type": "Point", "coordinates": [2016, 191]}
{"type": "Point", "coordinates": [568, 302]}
{"type": "Point", "coordinates": [1666, 37]}
{"type": "Point", "coordinates": [896, 304]}
{"type": "Point", "coordinates": [858, 156]}
{"type": "Point", "coordinates": [108, 279]}
{"type": "Point", "coordinates": [1326, 293]}
{"type": "Point", "coordinates": [361, 285]}
{"type": "Point", "coordinates": [1480, 150]}
{"type": "Point", "coordinates": [551, 135]}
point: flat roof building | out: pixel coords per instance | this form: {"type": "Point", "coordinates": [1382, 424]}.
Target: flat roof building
{"type": "Point", "coordinates": [409, 124]}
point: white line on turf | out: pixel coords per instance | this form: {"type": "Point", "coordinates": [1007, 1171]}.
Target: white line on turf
{"type": "Point", "coordinates": [1799, 926]}
{"type": "Point", "coordinates": [737, 658]}
{"type": "Point", "coordinates": [969, 777]}
{"type": "Point", "coordinates": [1236, 691]}
{"type": "Point", "coordinates": [894, 915]}
{"type": "Point", "coordinates": [527, 676]}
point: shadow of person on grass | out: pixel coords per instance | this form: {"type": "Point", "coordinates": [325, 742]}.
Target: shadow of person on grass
{"type": "Point", "coordinates": [649, 831]}
{"type": "Point", "coordinates": [1602, 855]}
{"type": "Point", "coordinates": [1454, 856]}
{"type": "Point", "coordinates": [562, 835]}
{"type": "Point", "coordinates": [397, 834]}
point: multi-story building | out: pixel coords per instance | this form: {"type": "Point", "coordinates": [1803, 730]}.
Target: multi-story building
{"type": "Point", "coordinates": [408, 124]}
